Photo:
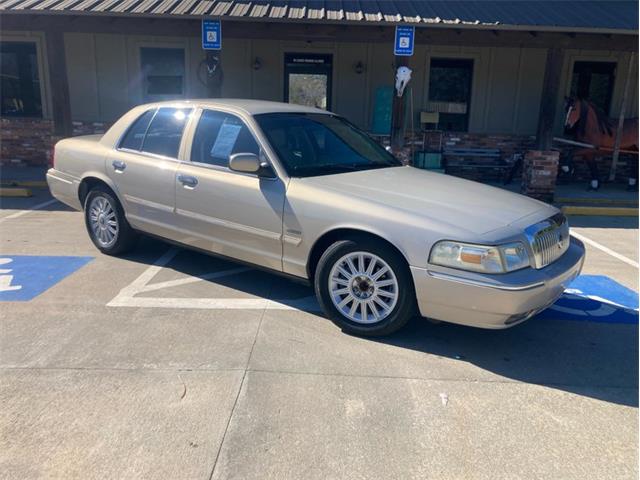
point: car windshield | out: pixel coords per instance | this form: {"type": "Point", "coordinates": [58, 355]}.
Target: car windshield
{"type": "Point", "coordinates": [312, 144]}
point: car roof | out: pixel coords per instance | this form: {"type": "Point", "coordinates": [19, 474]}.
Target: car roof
{"type": "Point", "coordinates": [251, 107]}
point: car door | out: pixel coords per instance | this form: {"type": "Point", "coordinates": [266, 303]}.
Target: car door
{"type": "Point", "coordinates": [234, 214]}
{"type": "Point", "coordinates": [144, 165]}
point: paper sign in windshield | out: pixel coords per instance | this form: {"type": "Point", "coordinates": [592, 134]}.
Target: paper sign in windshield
{"type": "Point", "coordinates": [227, 137]}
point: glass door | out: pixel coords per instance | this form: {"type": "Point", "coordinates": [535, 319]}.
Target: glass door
{"type": "Point", "coordinates": [308, 79]}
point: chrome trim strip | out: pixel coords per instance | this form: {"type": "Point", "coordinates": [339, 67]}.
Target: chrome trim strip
{"type": "Point", "coordinates": [294, 240]}
{"type": "Point", "coordinates": [147, 203]}
{"type": "Point", "coordinates": [478, 283]}
{"type": "Point", "coordinates": [232, 225]}
{"type": "Point", "coordinates": [55, 177]}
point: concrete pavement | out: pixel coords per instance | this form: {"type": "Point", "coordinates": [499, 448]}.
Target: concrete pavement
{"type": "Point", "coordinates": [93, 391]}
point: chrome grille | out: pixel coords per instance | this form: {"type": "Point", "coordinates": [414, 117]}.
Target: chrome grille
{"type": "Point", "coordinates": [549, 239]}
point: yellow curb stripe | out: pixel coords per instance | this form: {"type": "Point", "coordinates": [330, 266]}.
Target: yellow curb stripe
{"type": "Point", "coordinates": [25, 183]}
{"type": "Point", "coordinates": [602, 201]}
{"type": "Point", "coordinates": [14, 192]}
{"type": "Point", "coordinates": [606, 211]}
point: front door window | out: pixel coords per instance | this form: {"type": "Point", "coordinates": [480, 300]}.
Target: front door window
{"type": "Point", "coordinates": [308, 80]}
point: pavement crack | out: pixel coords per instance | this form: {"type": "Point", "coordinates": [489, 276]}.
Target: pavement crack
{"type": "Point", "coordinates": [235, 402]}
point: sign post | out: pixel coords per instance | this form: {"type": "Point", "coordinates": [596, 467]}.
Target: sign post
{"type": "Point", "coordinates": [402, 49]}
{"type": "Point", "coordinates": [210, 66]}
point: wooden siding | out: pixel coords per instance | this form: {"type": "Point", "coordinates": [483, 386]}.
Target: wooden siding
{"type": "Point", "coordinates": [105, 77]}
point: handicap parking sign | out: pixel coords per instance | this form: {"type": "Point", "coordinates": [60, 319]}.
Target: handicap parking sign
{"type": "Point", "coordinates": [404, 41]}
{"type": "Point", "coordinates": [24, 277]}
{"type": "Point", "coordinates": [211, 35]}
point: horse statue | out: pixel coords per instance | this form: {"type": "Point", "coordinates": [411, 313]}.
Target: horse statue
{"type": "Point", "coordinates": [591, 125]}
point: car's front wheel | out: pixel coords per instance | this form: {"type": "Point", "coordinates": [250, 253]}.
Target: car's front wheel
{"type": "Point", "coordinates": [365, 287]}
{"type": "Point", "coordinates": [106, 223]}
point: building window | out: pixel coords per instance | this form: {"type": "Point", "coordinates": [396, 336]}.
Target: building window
{"type": "Point", "coordinates": [593, 81]}
{"type": "Point", "coordinates": [450, 92]}
{"type": "Point", "coordinates": [20, 88]}
{"type": "Point", "coordinates": [163, 72]}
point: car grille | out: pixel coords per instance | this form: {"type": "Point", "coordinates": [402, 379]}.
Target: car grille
{"type": "Point", "coordinates": [549, 239]}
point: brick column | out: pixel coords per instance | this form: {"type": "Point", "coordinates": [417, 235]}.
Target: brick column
{"type": "Point", "coordinates": [539, 174]}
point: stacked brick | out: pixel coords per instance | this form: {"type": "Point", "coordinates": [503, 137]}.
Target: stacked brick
{"type": "Point", "coordinates": [24, 141]}
{"type": "Point", "coordinates": [28, 141]}
{"type": "Point", "coordinates": [540, 169]}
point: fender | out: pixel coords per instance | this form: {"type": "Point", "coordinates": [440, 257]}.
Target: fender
{"type": "Point", "coordinates": [93, 174]}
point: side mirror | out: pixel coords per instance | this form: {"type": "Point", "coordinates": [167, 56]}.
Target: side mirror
{"type": "Point", "coordinates": [244, 162]}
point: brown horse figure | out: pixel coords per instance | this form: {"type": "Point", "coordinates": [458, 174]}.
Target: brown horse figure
{"type": "Point", "coordinates": [591, 125]}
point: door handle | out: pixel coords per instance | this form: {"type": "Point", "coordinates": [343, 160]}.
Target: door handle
{"type": "Point", "coordinates": [188, 181]}
{"type": "Point", "coordinates": [118, 165]}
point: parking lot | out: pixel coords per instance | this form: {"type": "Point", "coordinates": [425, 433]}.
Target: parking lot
{"type": "Point", "coordinates": [167, 363]}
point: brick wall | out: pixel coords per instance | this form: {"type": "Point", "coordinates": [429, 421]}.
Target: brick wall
{"type": "Point", "coordinates": [540, 172]}
{"type": "Point", "coordinates": [507, 144]}
{"type": "Point", "coordinates": [28, 141]}
{"type": "Point", "coordinates": [510, 145]}
{"type": "Point", "coordinates": [25, 141]}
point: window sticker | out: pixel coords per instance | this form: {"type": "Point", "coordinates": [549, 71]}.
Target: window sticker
{"type": "Point", "coordinates": [227, 137]}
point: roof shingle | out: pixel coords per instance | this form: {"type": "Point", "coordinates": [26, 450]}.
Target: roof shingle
{"type": "Point", "coordinates": [568, 14]}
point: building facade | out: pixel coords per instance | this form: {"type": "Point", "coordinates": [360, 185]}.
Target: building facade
{"type": "Point", "coordinates": [73, 67]}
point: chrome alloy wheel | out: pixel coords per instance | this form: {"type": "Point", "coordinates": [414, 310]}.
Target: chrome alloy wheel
{"type": "Point", "coordinates": [104, 222]}
{"type": "Point", "coordinates": [363, 287]}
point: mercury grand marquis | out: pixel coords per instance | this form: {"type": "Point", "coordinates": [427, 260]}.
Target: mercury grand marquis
{"type": "Point", "coordinates": [303, 192]}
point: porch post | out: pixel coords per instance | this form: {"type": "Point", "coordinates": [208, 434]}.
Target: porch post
{"type": "Point", "coordinates": [540, 167]}
{"type": "Point", "coordinates": [397, 109]}
{"type": "Point", "coordinates": [550, 89]}
{"type": "Point", "coordinates": [623, 107]}
{"type": "Point", "coordinates": [60, 101]}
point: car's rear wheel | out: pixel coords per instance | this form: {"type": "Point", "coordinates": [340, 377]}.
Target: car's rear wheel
{"type": "Point", "coordinates": [365, 287]}
{"type": "Point", "coordinates": [106, 223]}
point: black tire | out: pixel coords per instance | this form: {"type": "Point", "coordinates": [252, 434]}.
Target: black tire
{"type": "Point", "coordinates": [125, 237]}
{"type": "Point", "coordinates": [405, 306]}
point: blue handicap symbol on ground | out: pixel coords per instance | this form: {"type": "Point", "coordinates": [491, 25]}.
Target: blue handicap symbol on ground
{"type": "Point", "coordinates": [595, 298]}
{"type": "Point", "coordinates": [23, 277]}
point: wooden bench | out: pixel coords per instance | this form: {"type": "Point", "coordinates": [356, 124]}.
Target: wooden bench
{"type": "Point", "coordinates": [461, 159]}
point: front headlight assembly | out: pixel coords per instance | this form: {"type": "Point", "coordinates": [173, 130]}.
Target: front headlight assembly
{"type": "Point", "coordinates": [480, 258]}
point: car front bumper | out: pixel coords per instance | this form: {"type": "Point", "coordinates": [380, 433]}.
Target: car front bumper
{"type": "Point", "coordinates": [494, 301]}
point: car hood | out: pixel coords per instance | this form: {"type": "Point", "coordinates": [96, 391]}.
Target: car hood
{"type": "Point", "coordinates": [468, 205]}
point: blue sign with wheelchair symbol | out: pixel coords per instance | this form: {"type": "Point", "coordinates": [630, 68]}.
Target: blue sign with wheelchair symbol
{"type": "Point", "coordinates": [24, 277]}
{"type": "Point", "coordinates": [403, 45]}
{"type": "Point", "coordinates": [211, 35]}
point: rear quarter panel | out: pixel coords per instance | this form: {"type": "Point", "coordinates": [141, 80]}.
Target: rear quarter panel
{"type": "Point", "coordinates": [76, 159]}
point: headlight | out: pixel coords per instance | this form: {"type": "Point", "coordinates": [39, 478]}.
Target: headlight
{"type": "Point", "coordinates": [480, 258]}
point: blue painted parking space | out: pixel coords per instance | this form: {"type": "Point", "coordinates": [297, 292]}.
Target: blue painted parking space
{"type": "Point", "coordinates": [24, 277]}
{"type": "Point", "coordinates": [595, 298]}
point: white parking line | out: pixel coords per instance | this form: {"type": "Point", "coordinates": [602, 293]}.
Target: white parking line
{"type": "Point", "coordinates": [24, 212]}
{"type": "Point", "coordinates": [607, 250]}
{"type": "Point", "coordinates": [129, 295]}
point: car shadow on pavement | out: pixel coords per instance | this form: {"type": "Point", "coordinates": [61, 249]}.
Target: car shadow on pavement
{"type": "Point", "coordinates": [585, 355]}
{"type": "Point", "coordinates": [593, 359]}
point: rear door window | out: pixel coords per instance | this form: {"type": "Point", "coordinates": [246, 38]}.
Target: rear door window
{"type": "Point", "coordinates": [135, 135]}
{"type": "Point", "coordinates": [165, 132]}
{"type": "Point", "coordinates": [220, 135]}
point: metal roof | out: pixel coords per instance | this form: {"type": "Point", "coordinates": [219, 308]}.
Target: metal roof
{"type": "Point", "coordinates": [567, 15]}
